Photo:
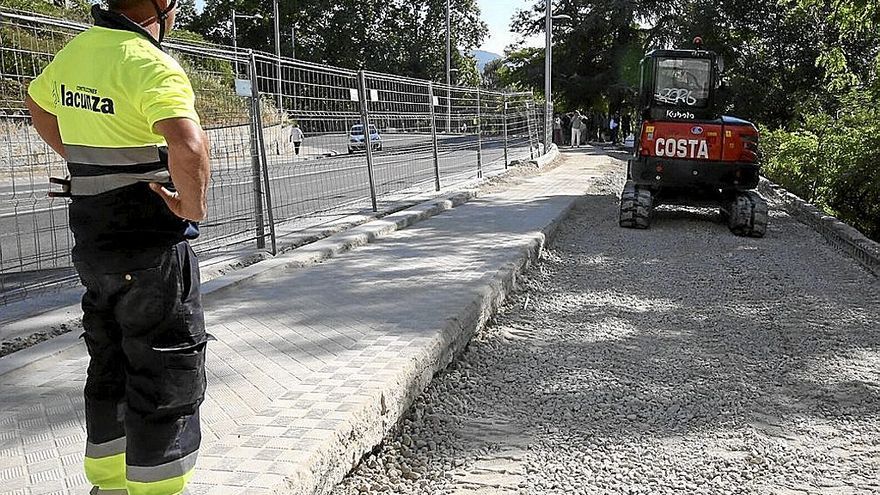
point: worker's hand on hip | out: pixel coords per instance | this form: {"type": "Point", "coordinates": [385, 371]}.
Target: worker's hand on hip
{"type": "Point", "coordinates": [171, 198]}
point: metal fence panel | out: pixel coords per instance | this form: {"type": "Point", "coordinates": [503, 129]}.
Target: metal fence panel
{"type": "Point", "coordinates": [401, 110]}
{"type": "Point", "coordinates": [34, 240]}
{"type": "Point", "coordinates": [429, 135]}
{"type": "Point", "coordinates": [237, 210]}
{"type": "Point", "coordinates": [327, 173]}
{"type": "Point", "coordinates": [521, 126]}
{"type": "Point", "coordinates": [492, 117]}
{"type": "Point", "coordinates": [459, 148]}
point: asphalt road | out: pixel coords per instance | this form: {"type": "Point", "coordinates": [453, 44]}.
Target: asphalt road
{"type": "Point", "coordinates": [35, 242]}
{"type": "Point", "coordinates": [26, 196]}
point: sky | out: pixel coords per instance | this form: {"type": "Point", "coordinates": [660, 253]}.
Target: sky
{"type": "Point", "coordinates": [497, 14]}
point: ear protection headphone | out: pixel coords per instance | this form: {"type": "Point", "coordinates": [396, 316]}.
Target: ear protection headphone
{"type": "Point", "coordinates": [162, 15]}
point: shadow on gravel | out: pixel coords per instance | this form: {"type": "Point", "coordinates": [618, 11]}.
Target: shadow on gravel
{"type": "Point", "coordinates": [670, 213]}
{"type": "Point", "coordinates": [656, 361]}
{"type": "Point", "coordinates": [686, 327]}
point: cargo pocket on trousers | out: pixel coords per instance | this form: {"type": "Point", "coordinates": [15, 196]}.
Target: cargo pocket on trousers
{"type": "Point", "coordinates": [183, 376]}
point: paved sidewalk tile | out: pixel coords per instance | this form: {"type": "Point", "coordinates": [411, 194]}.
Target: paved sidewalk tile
{"type": "Point", "coordinates": [304, 355]}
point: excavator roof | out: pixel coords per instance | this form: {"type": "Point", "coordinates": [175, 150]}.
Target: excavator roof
{"type": "Point", "coordinates": [680, 54]}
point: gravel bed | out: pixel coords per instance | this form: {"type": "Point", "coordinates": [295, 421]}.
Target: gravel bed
{"type": "Point", "coordinates": [681, 359]}
{"type": "Point", "coordinates": [16, 344]}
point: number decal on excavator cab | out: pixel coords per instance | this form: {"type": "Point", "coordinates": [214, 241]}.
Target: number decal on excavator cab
{"type": "Point", "coordinates": [674, 96]}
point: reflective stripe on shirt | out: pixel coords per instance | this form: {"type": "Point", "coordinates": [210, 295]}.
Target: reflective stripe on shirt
{"type": "Point", "coordinates": [90, 155]}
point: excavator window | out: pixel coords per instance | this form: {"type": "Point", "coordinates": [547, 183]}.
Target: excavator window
{"type": "Point", "coordinates": [683, 82]}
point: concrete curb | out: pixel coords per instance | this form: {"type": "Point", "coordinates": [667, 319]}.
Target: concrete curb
{"type": "Point", "coordinates": [337, 244]}
{"type": "Point", "coordinates": [43, 350]}
{"type": "Point", "coordinates": [840, 235]}
{"type": "Point", "coordinates": [547, 158]}
{"type": "Point", "coordinates": [377, 417]}
{"type": "Point", "coordinates": [306, 255]}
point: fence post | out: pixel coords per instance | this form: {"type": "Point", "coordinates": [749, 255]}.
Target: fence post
{"type": "Point", "coordinates": [368, 144]}
{"type": "Point", "coordinates": [504, 126]}
{"type": "Point", "coordinates": [529, 129]}
{"type": "Point", "coordinates": [434, 136]}
{"type": "Point", "coordinates": [548, 129]}
{"type": "Point", "coordinates": [261, 141]}
{"type": "Point", "coordinates": [541, 137]}
{"type": "Point", "coordinates": [255, 159]}
{"type": "Point", "coordinates": [479, 137]}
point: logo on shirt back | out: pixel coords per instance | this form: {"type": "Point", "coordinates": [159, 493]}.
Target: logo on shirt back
{"type": "Point", "coordinates": [86, 99]}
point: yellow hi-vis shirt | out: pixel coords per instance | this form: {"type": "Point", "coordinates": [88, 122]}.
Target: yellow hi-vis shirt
{"type": "Point", "coordinates": [109, 87]}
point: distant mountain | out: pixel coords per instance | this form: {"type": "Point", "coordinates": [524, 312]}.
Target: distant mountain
{"type": "Point", "coordinates": [484, 58]}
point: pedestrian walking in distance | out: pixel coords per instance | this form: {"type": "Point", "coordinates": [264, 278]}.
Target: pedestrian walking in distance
{"type": "Point", "coordinates": [566, 128]}
{"type": "Point", "coordinates": [577, 124]}
{"type": "Point", "coordinates": [614, 126]}
{"type": "Point", "coordinates": [296, 137]}
{"type": "Point", "coordinates": [121, 112]}
{"type": "Point", "coordinates": [557, 130]}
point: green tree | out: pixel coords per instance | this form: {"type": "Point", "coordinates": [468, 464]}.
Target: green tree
{"type": "Point", "coordinates": [524, 67]}
{"type": "Point", "coordinates": [404, 37]}
{"type": "Point", "coordinates": [770, 46]}
{"type": "Point", "coordinates": [186, 14]}
{"type": "Point", "coordinates": [496, 75]}
{"type": "Point", "coordinates": [595, 53]}
{"type": "Point", "coordinates": [850, 35]}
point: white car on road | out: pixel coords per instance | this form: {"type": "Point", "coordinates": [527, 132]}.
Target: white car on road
{"type": "Point", "coordinates": [356, 138]}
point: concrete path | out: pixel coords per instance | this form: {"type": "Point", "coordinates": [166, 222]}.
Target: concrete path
{"type": "Point", "coordinates": [313, 365]}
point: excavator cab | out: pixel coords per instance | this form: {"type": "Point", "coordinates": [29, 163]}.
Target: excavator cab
{"type": "Point", "coordinates": [676, 82]}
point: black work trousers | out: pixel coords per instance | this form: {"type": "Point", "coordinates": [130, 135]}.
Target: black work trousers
{"type": "Point", "coordinates": [145, 333]}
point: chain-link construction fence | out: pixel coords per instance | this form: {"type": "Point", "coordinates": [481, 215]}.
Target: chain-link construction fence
{"type": "Point", "coordinates": [422, 136]}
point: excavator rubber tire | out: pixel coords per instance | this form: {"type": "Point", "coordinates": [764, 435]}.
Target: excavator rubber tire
{"type": "Point", "coordinates": [748, 214]}
{"type": "Point", "coordinates": [636, 207]}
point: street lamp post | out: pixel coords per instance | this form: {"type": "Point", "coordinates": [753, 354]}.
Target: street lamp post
{"type": "Point", "coordinates": [452, 73]}
{"type": "Point", "coordinates": [548, 71]}
{"type": "Point", "coordinates": [548, 67]}
{"type": "Point", "coordinates": [278, 56]}
{"type": "Point", "coordinates": [448, 70]}
{"type": "Point", "coordinates": [293, 72]}
{"type": "Point", "coordinates": [235, 34]}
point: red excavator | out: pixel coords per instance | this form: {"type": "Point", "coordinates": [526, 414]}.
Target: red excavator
{"type": "Point", "coordinates": [686, 152]}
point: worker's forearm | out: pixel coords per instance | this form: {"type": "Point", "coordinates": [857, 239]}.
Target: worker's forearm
{"type": "Point", "coordinates": [191, 174]}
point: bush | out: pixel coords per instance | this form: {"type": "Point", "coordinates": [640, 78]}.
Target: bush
{"type": "Point", "coordinates": [833, 162]}
{"type": "Point", "coordinates": [785, 162]}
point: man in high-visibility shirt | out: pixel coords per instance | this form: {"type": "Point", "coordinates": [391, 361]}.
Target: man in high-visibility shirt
{"type": "Point", "coordinates": [121, 112]}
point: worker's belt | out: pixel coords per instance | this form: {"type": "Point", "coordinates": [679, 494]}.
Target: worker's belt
{"type": "Point", "coordinates": [97, 170]}
{"type": "Point", "coordinates": [65, 187]}
{"type": "Point", "coordinates": [100, 184]}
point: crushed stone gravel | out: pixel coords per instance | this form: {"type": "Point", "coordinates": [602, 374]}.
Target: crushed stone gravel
{"type": "Point", "coordinates": [16, 344]}
{"type": "Point", "coordinates": [677, 360]}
